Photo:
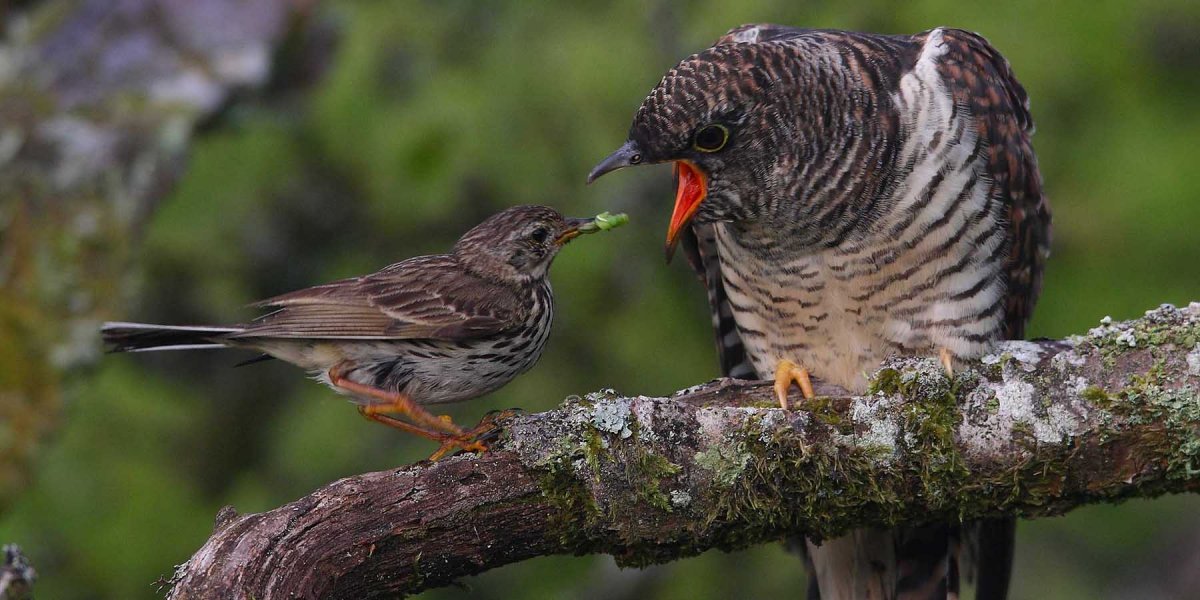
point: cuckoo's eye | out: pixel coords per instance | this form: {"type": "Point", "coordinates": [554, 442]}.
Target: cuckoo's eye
{"type": "Point", "coordinates": [711, 138]}
{"type": "Point", "coordinates": [539, 235]}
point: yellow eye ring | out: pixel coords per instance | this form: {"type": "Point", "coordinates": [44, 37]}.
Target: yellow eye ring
{"type": "Point", "coordinates": [711, 138]}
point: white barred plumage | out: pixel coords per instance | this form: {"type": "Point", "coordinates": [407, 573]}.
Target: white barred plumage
{"type": "Point", "coordinates": [842, 311]}
{"type": "Point", "coordinates": [869, 195]}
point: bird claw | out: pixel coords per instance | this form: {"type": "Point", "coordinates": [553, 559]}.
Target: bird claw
{"type": "Point", "coordinates": [476, 439]}
{"type": "Point", "coordinates": [463, 443]}
{"type": "Point", "coordinates": [947, 361]}
{"type": "Point", "coordinates": [786, 372]}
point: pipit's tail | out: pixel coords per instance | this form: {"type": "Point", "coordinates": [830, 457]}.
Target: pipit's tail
{"type": "Point", "coordinates": [144, 337]}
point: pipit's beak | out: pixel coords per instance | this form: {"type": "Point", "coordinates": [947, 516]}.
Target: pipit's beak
{"type": "Point", "coordinates": [576, 228]}
{"type": "Point", "coordinates": [601, 222]}
{"type": "Point", "coordinates": [625, 156]}
{"type": "Point", "coordinates": [691, 186]}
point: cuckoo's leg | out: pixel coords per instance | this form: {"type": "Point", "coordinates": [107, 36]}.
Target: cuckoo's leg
{"type": "Point", "coordinates": [947, 360]}
{"type": "Point", "coordinates": [786, 372]}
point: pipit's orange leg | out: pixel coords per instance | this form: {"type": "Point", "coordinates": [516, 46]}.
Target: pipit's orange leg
{"type": "Point", "coordinates": [786, 372]}
{"type": "Point", "coordinates": [404, 426]}
{"type": "Point", "coordinates": [947, 361]}
{"type": "Point", "coordinates": [466, 441]}
{"type": "Point", "coordinates": [393, 402]}
{"type": "Point", "coordinates": [438, 429]}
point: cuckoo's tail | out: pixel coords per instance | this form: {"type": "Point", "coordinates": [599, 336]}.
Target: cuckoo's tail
{"type": "Point", "coordinates": [994, 557]}
{"type": "Point", "coordinates": [144, 337]}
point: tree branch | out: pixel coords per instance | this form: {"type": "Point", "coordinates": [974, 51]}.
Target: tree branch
{"type": "Point", "coordinates": [1038, 429]}
{"type": "Point", "coordinates": [16, 574]}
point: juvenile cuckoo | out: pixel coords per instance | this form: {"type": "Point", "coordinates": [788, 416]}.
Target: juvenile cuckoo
{"type": "Point", "coordinates": [845, 197]}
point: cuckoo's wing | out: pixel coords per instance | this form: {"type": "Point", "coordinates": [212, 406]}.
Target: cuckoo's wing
{"type": "Point", "coordinates": [427, 297]}
{"type": "Point", "coordinates": [700, 247]}
{"type": "Point", "coordinates": [983, 82]}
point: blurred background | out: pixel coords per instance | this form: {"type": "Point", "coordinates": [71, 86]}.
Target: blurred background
{"type": "Point", "coordinates": [385, 129]}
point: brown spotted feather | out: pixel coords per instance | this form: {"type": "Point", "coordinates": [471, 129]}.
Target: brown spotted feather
{"type": "Point", "coordinates": [983, 81]}
{"type": "Point", "coordinates": [439, 328]}
{"type": "Point", "coordinates": [425, 297]}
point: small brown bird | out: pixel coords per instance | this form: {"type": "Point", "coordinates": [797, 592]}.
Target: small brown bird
{"type": "Point", "coordinates": [426, 330]}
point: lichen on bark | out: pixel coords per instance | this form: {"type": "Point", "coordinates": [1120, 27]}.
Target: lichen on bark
{"type": "Point", "coordinates": [920, 446]}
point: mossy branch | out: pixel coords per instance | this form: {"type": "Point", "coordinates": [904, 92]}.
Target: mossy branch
{"type": "Point", "coordinates": [1037, 429]}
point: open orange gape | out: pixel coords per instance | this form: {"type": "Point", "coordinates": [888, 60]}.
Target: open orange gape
{"type": "Point", "coordinates": [691, 186]}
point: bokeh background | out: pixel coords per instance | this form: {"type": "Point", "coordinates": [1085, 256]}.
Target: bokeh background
{"type": "Point", "coordinates": [424, 117]}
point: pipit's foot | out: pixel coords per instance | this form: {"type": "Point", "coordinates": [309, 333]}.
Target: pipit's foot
{"type": "Point", "coordinates": [786, 372]}
{"type": "Point", "coordinates": [492, 424]}
{"type": "Point", "coordinates": [462, 442]}
{"type": "Point", "coordinates": [947, 361]}
{"type": "Point", "coordinates": [478, 437]}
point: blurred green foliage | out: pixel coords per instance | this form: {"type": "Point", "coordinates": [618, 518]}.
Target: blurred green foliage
{"type": "Point", "coordinates": [433, 115]}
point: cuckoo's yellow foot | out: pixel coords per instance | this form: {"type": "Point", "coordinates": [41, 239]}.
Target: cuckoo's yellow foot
{"type": "Point", "coordinates": [787, 372]}
{"type": "Point", "coordinates": [947, 360]}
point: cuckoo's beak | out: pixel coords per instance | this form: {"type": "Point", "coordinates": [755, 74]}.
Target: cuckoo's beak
{"type": "Point", "coordinates": [691, 186]}
{"type": "Point", "coordinates": [625, 156]}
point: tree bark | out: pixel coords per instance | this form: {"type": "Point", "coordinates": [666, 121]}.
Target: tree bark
{"type": "Point", "coordinates": [1037, 429]}
{"type": "Point", "coordinates": [16, 574]}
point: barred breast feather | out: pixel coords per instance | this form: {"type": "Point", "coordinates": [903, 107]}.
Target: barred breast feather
{"type": "Point", "coordinates": [926, 228]}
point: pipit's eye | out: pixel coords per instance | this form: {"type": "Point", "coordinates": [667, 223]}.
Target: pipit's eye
{"type": "Point", "coordinates": [711, 138]}
{"type": "Point", "coordinates": [539, 235]}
